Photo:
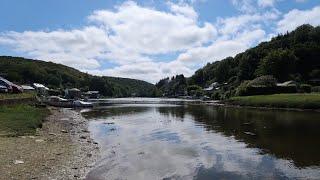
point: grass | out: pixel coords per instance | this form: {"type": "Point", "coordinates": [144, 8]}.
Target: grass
{"type": "Point", "coordinates": [21, 119]}
{"type": "Point", "coordinates": [6, 96]}
{"type": "Point", "coordinates": [301, 101]}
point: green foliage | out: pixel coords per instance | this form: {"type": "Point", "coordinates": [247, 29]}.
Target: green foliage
{"type": "Point", "coordinates": [242, 88]}
{"type": "Point", "coordinates": [291, 56]}
{"type": "Point", "coordinates": [7, 96]}
{"type": "Point", "coordinates": [266, 81]}
{"type": "Point", "coordinates": [279, 63]}
{"type": "Point", "coordinates": [305, 88]}
{"type": "Point", "coordinates": [315, 89]}
{"type": "Point", "coordinates": [174, 87]}
{"type": "Point", "coordinates": [305, 101]}
{"type": "Point", "coordinates": [287, 56]}
{"type": "Point", "coordinates": [193, 90]}
{"type": "Point", "coordinates": [26, 71]}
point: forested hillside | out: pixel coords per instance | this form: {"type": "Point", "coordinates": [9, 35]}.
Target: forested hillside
{"type": "Point", "coordinates": [25, 71]}
{"type": "Point", "coordinates": [291, 56]}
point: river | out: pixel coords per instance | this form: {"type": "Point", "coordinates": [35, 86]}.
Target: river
{"type": "Point", "coordinates": [163, 141]}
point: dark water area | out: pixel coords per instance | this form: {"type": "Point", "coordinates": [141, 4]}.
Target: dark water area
{"type": "Point", "coordinates": [204, 142]}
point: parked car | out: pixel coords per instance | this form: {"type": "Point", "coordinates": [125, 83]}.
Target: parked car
{"type": "Point", "coordinates": [3, 89]}
{"type": "Point", "coordinates": [16, 88]}
{"type": "Point", "coordinates": [11, 86]}
{"type": "Point", "coordinates": [6, 83]}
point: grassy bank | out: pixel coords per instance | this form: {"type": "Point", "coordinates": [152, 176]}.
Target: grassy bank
{"type": "Point", "coordinates": [302, 101]}
{"type": "Point", "coordinates": [8, 96]}
{"type": "Point", "coordinates": [21, 119]}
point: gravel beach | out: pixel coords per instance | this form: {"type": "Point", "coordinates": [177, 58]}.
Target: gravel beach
{"type": "Point", "coordinates": [61, 149]}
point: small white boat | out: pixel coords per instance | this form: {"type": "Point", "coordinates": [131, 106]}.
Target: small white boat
{"type": "Point", "coordinates": [79, 103]}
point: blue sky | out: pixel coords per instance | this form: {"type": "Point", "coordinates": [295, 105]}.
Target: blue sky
{"type": "Point", "coordinates": [145, 39]}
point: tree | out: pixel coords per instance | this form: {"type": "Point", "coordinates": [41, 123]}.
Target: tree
{"type": "Point", "coordinates": [279, 63]}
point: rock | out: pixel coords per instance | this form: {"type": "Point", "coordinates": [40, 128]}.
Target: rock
{"type": "Point", "coordinates": [108, 123]}
{"type": "Point", "coordinates": [52, 134]}
{"type": "Point", "coordinates": [18, 162]}
{"type": "Point", "coordinates": [250, 133]}
{"type": "Point", "coordinates": [39, 140]}
{"type": "Point", "coordinates": [64, 131]}
{"type": "Point", "coordinates": [89, 155]}
{"type": "Point", "coordinates": [85, 131]}
{"type": "Point", "coordinates": [95, 142]}
{"type": "Point", "coordinates": [140, 153]}
{"type": "Point", "coordinates": [83, 137]}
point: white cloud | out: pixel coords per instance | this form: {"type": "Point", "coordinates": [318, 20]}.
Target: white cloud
{"type": "Point", "coordinates": [296, 17]}
{"type": "Point", "coordinates": [266, 3]}
{"type": "Point", "coordinates": [131, 35]}
{"type": "Point", "coordinates": [125, 37]}
{"type": "Point", "coordinates": [149, 31]}
{"type": "Point", "coordinates": [76, 48]}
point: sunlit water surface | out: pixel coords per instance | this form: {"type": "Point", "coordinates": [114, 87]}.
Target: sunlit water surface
{"type": "Point", "coordinates": [204, 142]}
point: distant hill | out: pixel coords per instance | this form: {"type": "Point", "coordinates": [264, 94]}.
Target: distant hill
{"type": "Point", "coordinates": [291, 56]}
{"type": "Point", "coordinates": [24, 71]}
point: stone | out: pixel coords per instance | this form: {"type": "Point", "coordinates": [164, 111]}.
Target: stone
{"type": "Point", "coordinates": [18, 162]}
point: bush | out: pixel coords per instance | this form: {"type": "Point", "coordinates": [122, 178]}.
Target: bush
{"type": "Point", "coordinates": [242, 88]}
{"type": "Point", "coordinates": [267, 81]}
{"type": "Point", "coordinates": [306, 88]}
{"type": "Point", "coordinates": [315, 89]}
{"type": "Point", "coordinates": [216, 95]}
{"type": "Point", "coordinates": [249, 90]}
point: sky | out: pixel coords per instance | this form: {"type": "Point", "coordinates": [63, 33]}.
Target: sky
{"type": "Point", "coordinates": [145, 39]}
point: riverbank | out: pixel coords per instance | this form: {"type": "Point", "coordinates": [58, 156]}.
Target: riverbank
{"type": "Point", "coordinates": [291, 101]}
{"type": "Point", "coordinates": [21, 119]}
{"type": "Point", "coordinates": [61, 149]}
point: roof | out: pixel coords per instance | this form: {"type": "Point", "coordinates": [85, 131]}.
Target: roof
{"type": "Point", "coordinates": [73, 89]}
{"type": "Point", "coordinates": [6, 81]}
{"type": "Point", "coordinates": [209, 88]}
{"type": "Point", "coordinates": [37, 85]}
{"type": "Point", "coordinates": [287, 83]}
{"type": "Point", "coordinates": [26, 87]}
{"type": "Point", "coordinates": [92, 92]}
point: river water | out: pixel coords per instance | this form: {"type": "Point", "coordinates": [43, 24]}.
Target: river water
{"type": "Point", "coordinates": [162, 141]}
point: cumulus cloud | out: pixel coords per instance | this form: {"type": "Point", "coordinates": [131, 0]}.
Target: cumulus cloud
{"type": "Point", "coordinates": [131, 37]}
{"type": "Point", "coordinates": [149, 31]}
{"type": "Point", "coordinates": [295, 18]}
{"type": "Point", "coordinates": [125, 36]}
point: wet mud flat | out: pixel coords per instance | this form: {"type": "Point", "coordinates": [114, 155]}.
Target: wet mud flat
{"type": "Point", "coordinates": [62, 149]}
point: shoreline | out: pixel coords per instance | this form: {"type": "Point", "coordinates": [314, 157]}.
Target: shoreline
{"type": "Point", "coordinates": [61, 149]}
{"type": "Point", "coordinates": [226, 104]}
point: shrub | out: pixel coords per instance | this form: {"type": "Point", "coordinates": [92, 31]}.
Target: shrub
{"type": "Point", "coordinates": [242, 88]}
{"type": "Point", "coordinates": [306, 88]}
{"type": "Point", "coordinates": [249, 90]}
{"type": "Point", "coordinates": [315, 89]}
{"type": "Point", "coordinates": [267, 81]}
{"type": "Point", "coordinates": [216, 95]}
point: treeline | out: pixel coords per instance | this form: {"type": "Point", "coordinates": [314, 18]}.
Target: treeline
{"type": "Point", "coordinates": [290, 56]}
{"type": "Point", "coordinates": [57, 76]}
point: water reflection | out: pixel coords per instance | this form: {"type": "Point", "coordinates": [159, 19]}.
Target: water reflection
{"type": "Point", "coordinates": [205, 142]}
